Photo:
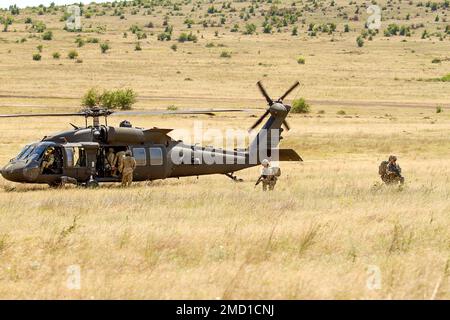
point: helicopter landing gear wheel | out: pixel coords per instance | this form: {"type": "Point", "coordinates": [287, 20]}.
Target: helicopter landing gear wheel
{"type": "Point", "coordinates": [55, 185]}
{"type": "Point", "coordinates": [92, 184]}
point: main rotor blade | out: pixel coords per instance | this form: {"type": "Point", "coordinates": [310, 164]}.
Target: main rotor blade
{"type": "Point", "coordinates": [296, 84]}
{"type": "Point", "coordinates": [176, 112]}
{"type": "Point", "coordinates": [26, 115]}
{"type": "Point", "coordinates": [264, 93]}
{"type": "Point", "coordinates": [259, 120]}
{"type": "Point", "coordinates": [286, 125]}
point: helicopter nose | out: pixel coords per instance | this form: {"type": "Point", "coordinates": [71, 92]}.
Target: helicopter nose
{"type": "Point", "coordinates": [15, 172]}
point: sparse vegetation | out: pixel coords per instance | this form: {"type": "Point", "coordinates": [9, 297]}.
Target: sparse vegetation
{"type": "Point", "coordinates": [300, 106]}
{"type": "Point", "coordinates": [72, 54]}
{"type": "Point", "coordinates": [47, 36]}
{"type": "Point", "coordinates": [360, 41]}
{"type": "Point", "coordinates": [37, 57]}
{"type": "Point", "coordinates": [104, 47]}
{"type": "Point", "coordinates": [225, 54]}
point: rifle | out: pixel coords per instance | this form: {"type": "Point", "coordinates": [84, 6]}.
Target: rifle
{"type": "Point", "coordinates": [261, 177]}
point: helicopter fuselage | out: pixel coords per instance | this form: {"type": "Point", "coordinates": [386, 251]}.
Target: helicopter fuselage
{"type": "Point", "coordinates": [81, 154]}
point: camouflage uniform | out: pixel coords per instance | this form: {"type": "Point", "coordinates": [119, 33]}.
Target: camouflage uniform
{"type": "Point", "coordinates": [127, 167]}
{"type": "Point", "coordinates": [49, 160]}
{"type": "Point", "coordinates": [392, 172]}
{"type": "Point", "coordinates": [110, 162]}
{"type": "Point", "coordinates": [118, 160]}
{"type": "Point", "coordinates": [269, 179]}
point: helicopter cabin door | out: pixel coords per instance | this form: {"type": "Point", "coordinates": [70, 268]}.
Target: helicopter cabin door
{"type": "Point", "coordinates": [80, 160]}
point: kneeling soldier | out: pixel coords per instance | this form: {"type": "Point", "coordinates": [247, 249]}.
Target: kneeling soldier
{"type": "Point", "coordinates": [391, 172]}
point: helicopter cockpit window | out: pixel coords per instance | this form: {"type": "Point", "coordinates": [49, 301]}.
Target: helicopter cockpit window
{"type": "Point", "coordinates": [140, 156]}
{"type": "Point", "coordinates": [25, 152]}
{"type": "Point", "coordinates": [156, 157]}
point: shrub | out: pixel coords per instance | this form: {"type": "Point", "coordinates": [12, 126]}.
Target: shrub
{"type": "Point", "coordinates": [439, 109]}
{"type": "Point", "coordinates": [72, 54]}
{"type": "Point", "coordinates": [436, 60]}
{"type": "Point", "coordinates": [92, 40]}
{"type": "Point", "coordinates": [80, 42]}
{"type": "Point", "coordinates": [109, 99]}
{"type": "Point", "coordinates": [341, 113]}
{"type": "Point", "coordinates": [137, 47]}
{"type": "Point", "coordinates": [37, 57]}
{"type": "Point", "coordinates": [391, 30]}
{"type": "Point", "coordinates": [346, 28]}
{"type": "Point", "coordinates": [301, 60]}
{"type": "Point", "coordinates": [135, 28]}
{"type": "Point", "coordinates": [446, 78]}
{"type": "Point", "coordinates": [124, 99]}
{"type": "Point", "coordinates": [47, 36]}
{"type": "Point", "coordinates": [28, 20]}
{"type": "Point", "coordinates": [104, 47]}
{"type": "Point", "coordinates": [172, 108]}
{"type": "Point", "coordinates": [39, 26]}
{"type": "Point", "coordinates": [91, 98]}
{"type": "Point", "coordinates": [187, 37]}
{"type": "Point", "coordinates": [300, 106]}
{"type": "Point", "coordinates": [164, 36]}
{"type": "Point", "coordinates": [360, 41]}
{"type": "Point", "coordinates": [56, 55]}
{"type": "Point", "coordinates": [225, 54]}
{"type": "Point", "coordinates": [6, 21]}
{"type": "Point", "coordinates": [267, 28]}
{"type": "Point", "coordinates": [235, 28]}
{"type": "Point", "coordinates": [250, 28]}
{"type": "Point", "coordinates": [174, 47]}
{"type": "Point", "coordinates": [39, 48]}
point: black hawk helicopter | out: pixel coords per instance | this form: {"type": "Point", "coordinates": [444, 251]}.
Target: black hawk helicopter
{"type": "Point", "coordinates": [80, 154]}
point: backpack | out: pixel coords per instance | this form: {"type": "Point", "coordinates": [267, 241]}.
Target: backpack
{"type": "Point", "coordinates": [382, 168]}
{"type": "Point", "coordinates": [276, 171]}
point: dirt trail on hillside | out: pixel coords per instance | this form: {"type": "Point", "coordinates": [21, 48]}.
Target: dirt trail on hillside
{"type": "Point", "coordinates": [243, 101]}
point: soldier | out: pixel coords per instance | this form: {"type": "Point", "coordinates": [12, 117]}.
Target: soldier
{"type": "Point", "coordinates": [268, 175]}
{"type": "Point", "coordinates": [49, 160]}
{"type": "Point", "coordinates": [118, 160]}
{"type": "Point", "coordinates": [127, 167]}
{"type": "Point", "coordinates": [393, 171]}
{"type": "Point", "coordinates": [110, 164]}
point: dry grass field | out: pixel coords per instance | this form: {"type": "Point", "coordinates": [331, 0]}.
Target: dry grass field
{"type": "Point", "coordinates": [327, 231]}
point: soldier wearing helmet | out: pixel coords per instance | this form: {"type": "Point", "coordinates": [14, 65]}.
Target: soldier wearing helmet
{"type": "Point", "coordinates": [127, 167]}
{"type": "Point", "coordinates": [393, 171]}
{"type": "Point", "coordinates": [49, 160]}
{"type": "Point", "coordinates": [269, 175]}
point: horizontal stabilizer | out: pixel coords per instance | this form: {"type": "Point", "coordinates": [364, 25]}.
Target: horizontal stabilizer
{"type": "Point", "coordinates": [288, 155]}
{"type": "Point", "coordinates": [158, 130]}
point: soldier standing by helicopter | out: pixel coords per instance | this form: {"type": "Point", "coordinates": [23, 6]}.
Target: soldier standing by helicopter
{"type": "Point", "coordinates": [110, 164]}
{"type": "Point", "coordinates": [269, 175]}
{"type": "Point", "coordinates": [118, 161]}
{"type": "Point", "coordinates": [127, 167]}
